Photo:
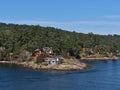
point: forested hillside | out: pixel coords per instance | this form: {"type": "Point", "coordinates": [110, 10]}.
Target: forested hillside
{"type": "Point", "coordinates": [16, 38]}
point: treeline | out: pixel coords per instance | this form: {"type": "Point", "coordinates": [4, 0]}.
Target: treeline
{"type": "Point", "coordinates": [16, 38]}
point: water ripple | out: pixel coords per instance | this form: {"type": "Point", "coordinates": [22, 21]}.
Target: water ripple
{"type": "Point", "coordinates": [103, 76]}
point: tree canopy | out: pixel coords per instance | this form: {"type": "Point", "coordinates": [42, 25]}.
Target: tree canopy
{"type": "Point", "coordinates": [16, 38]}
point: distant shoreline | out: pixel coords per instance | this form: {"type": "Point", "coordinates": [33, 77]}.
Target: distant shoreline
{"type": "Point", "coordinates": [101, 59]}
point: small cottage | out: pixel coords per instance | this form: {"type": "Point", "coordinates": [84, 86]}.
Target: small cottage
{"type": "Point", "coordinates": [47, 50]}
{"type": "Point", "coordinates": [50, 61]}
{"type": "Point", "coordinates": [46, 55]}
{"type": "Point", "coordinates": [53, 61]}
{"type": "Point", "coordinates": [59, 59]}
{"type": "Point", "coordinates": [89, 51]}
{"type": "Point", "coordinates": [37, 52]}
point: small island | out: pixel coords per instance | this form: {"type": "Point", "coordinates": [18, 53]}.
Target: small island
{"type": "Point", "coordinates": [46, 59]}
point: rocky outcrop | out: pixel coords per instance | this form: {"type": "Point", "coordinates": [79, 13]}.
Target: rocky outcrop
{"type": "Point", "coordinates": [67, 65]}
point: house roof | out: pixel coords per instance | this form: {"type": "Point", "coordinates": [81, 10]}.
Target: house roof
{"type": "Point", "coordinates": [37, 50]}
{"type": "Point", "coordinates": [47, 49]}
{"type": "Point", "coordinates": [60, 57]}
{"type": "Point", "coordinates": [49, 59]}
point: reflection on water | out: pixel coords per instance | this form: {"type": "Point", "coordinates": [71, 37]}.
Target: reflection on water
{"type": "Point", "coordinates": [105, 75]}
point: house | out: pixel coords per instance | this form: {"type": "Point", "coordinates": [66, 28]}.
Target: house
{"type": "Point", "coordinates": [59, 58]}
{"type": "Point", "coordinates": [50, 61]}
{"type": "Point", "coordinates": [89, 51]}
{"type": "Point", "coordinates": [47, 50]}
{"type": "Point", "coordinates": [46, 55]}
{"type": "Point", "coordinates": [37, 52]}
{"type": "Point", "coordinates": [54, 61]}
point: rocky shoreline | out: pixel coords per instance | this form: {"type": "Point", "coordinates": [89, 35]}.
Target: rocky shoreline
{"type": "Point", "coordinates": [67, 65]}
{"type": "Point", "coordinates": [61, 67]}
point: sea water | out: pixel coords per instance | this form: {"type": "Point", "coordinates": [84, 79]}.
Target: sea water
{"type": "Point", "coordinates": [104, 75]}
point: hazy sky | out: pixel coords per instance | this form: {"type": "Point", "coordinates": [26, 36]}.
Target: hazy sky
{"type": "Point", "coordinates": [97, 16]}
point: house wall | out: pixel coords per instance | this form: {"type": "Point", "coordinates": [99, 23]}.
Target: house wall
{"type": "Point", "coordinates": [53, 62]}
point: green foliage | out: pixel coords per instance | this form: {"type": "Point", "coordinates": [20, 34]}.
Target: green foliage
{"type": "Point", "coordinates": [16, 38]}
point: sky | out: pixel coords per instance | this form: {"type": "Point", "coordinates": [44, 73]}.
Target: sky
{"type": "Point", "coordinates": [97, 16]}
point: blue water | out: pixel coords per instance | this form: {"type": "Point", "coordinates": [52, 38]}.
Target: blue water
{"type": "Point", "coordinates": [105, 75]}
